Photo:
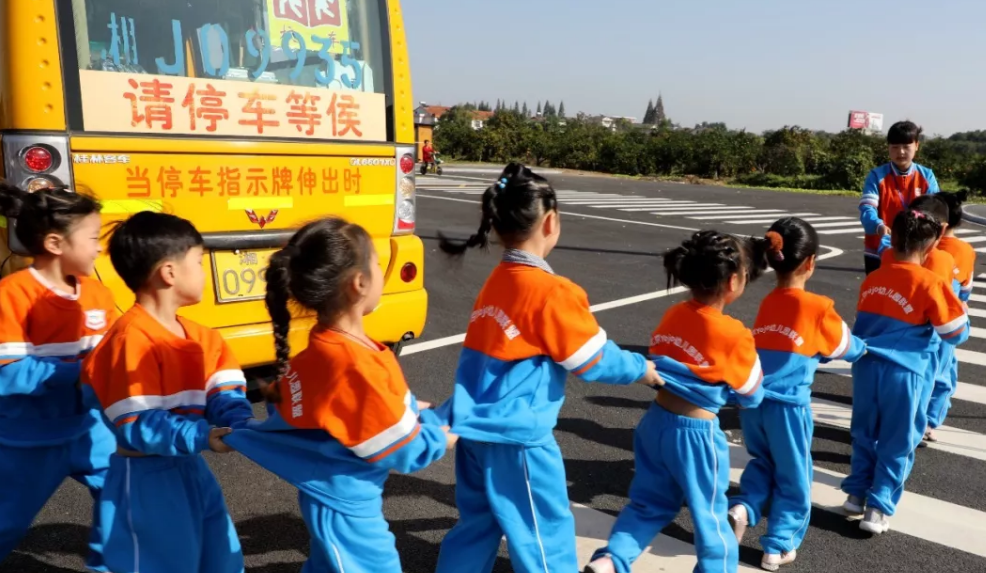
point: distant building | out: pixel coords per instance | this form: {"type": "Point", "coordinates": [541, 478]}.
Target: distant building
{"type": "Point", "coordinates": [611, 121]}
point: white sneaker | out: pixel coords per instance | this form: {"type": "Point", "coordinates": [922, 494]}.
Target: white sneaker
{"type": "Point", "coordinates": [602, 565]}
{"type": "Point", "coordinates": [874, 522]}
{"type": "Point", "coordinates": [854, 505]}
{"type": "Point", "coordinates": [773, 561]}
{"type": "Point", "coordinates": [739, 519]}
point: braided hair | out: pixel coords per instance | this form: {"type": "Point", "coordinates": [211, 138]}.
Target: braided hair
{"type": "Point", "coordinates": [705, 262]}
{"type": "Point", "coordinates": [313, 270]}
{"type": "Point", "coordinates": [38, 214]}
{"type": "Point", "coordinates": [511, 207]}
{"type": "Point", "coordinates": [914, 231]}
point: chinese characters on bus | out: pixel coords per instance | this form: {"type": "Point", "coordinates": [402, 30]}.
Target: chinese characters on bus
{"type": "Point", "coordinates": [194, 106]}
{"type": "Point", "coordinates": [169, 182]}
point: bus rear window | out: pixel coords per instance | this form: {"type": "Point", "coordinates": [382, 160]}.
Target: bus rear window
{"type": "Point", "coordinates": [264, 68]}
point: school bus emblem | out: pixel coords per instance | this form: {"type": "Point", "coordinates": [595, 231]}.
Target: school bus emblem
{"type": "Point", "coordinates": [260, 219]}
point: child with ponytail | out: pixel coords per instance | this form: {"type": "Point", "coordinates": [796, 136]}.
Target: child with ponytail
{"type": "Point", "coordinates": [794, 331]}
{"type": "Point", "coordinates": [51, 316]}
{"type": "Point", "coordinates": [341, 415]}
{"type": "Point", "coordinates": [706, 359]}
{"type": "Point", "coordinates": [902, 308]}
{"type": "Point", "coordinates": [964, 257]}
{"type": "Point", "coordinates": [530, 328]}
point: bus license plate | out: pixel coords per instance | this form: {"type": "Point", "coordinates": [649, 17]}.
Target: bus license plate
{"type": "Point", "coordinates": [239, 275]}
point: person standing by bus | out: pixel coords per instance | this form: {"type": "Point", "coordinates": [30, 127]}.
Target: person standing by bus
{"type": "Point", "coordinates": [428, 154]}
{"type": "Point", "coordinates": [891, 187]}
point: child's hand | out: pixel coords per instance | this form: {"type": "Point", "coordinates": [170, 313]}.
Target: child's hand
{"type": "Point", "coordinates": [422, 405]}
{"type": "Point", "coordinates": [882, 230]}
{"type": "Point", "coordinates": [216, 442]}
{"type": "Point", "coordinates": [450, 438]}
{"type": "Point", "coordinates": [651, 377]}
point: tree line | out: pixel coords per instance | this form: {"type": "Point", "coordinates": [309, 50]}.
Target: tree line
{"type": "Point", "coordinates": [788, 157]}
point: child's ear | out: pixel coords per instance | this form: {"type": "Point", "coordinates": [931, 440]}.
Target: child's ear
{"type": "Point", "coordinates": [168, 273]}
{"type": "Point", "coordinates": [54, 243]}
{"type": "Point", "coordinates": [551, 224]}
{"type": "Point", "coordinates": [734, 282]}
{"type": "Point", "coordinates": [809, 264]}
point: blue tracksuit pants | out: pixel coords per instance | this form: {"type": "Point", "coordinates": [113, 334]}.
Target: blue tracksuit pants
{"type": "Point", "coordinates": [946, 383]}
{"type": "Point", "coordinates": [166, 514]}
{"type": "Point", "coordinates": [889, 416]}
{"type": "Point", "coordinates": [517, 491]}
{"type": "Point", "coordinates": [677, 459]}
{"type": "Point", "coordinates": [343, 543]}
{"type": "Point", "coordinates": [778, 437]}
{"type": "Point", "coordinates": [30, 476]}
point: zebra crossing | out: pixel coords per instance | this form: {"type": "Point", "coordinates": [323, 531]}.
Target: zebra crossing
{"type": "Point", "coordinates": [693, 210]}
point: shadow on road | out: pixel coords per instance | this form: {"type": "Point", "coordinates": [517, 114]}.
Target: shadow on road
{"type": "Point", "coordinates": [55, 540]}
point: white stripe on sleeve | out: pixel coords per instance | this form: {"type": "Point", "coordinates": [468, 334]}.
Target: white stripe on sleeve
{"type": "Point", "coordinates": [844, 344]}
{"type": "Point", "coordinates": [756, 374]}
{"type": "Point", "coordinates": [393, 434]}
{"type": "Point", "coordinates": [952, 326]}
{"type": "Point", "coordinates": [142, 403]}
{"type": "Point", "coordinates": [225, 377]}
{"type": "Point", "coordinates": [588, 350]}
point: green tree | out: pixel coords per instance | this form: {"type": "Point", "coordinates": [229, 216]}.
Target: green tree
{"type": "Point", "coordinates": [561, 110]}
{"type": "Point", "coordinates": [525, 112]}
{"type": "Point", "coordinates": [455, 137]}
{"type": "Point", "coordinates": [649, 115]}
{"type": "Point", "coordinates": [516, 107]}
{"type": "Point", "coordinates": [539, 109]}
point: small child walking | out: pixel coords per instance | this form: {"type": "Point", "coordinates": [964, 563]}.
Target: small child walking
{"type": "Point", "coordinates": [902, 308]}
{"type": "Point", "coordinates": [529, 330]}
{"type": "Point", "coordinates": [706, 359]}
{"type": "Point", "coordinates": [794, 331]}
{"type": "Point", "coordinates": [341, 415]}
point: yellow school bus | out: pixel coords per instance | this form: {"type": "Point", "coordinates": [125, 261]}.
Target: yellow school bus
{"type": "Point", "coordinates": [248, 117]}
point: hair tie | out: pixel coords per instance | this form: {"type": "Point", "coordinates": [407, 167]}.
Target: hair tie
{"type": "Point", "coordinates": [501, 184]}
{"type": "Point", "coordinates": [919, 214]}
{"type": "Point", "coordinates": [775, 245]}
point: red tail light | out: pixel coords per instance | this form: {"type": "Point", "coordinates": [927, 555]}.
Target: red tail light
{"type": "Point", "coordinates": [37, 159]}
{"type": "Point", "coordinates": [409, 272]}
{"type": "Point", "coordinates": [407, 163]}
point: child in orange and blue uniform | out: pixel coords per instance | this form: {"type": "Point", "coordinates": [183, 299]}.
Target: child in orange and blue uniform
{"type": "Point", "coordinates": [794, 331]}
{"type": "Point", "coordinates": [937, 207]}
{"type": "Point", "coordinates": [51, 315]}
{"type": "Point", "coordinates": [902, 307]}
{"type": "Point", "coordinates": [529, 329]}
{"type": "Point", "coordinates": [164, 382]}
{"type": "Point", "coordinates": [947, 381]}
{"type": "Point", "coordinates": [705, 359]}
{"type": "Point", "coordinates": [890, 188]}
{"type": "Point", "coordinates": [341, 415]}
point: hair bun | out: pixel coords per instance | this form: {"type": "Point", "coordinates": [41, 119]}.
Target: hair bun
{"type": "Point", "coordinates": [776, 242]}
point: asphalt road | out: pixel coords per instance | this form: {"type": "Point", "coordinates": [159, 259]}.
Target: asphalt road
{"type": "Point", "coordinates": [614, 253]}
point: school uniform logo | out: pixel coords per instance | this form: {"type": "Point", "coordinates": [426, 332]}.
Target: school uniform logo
{"type": "Point", "coordinates": [95, 319]}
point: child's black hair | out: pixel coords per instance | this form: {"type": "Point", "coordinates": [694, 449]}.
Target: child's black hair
{"type": "Point", "coordinates": [705, 262]}
{"type": "Point", "coordinates": [796, 240]}
{"type": "Point", "coordinates": [141, 243]}
{"type": "Point", "coordinates": [904, 133]}
{"type": "Point", "coordinates": [511, 207]}
{"type": "Point", "coordinates": [46, 211]}
{"type": "Point", "coordinates": [914, 231]}
{"type": "Point", "coordinates": [954, 203]}
{"type": "Point", "coordinates": [314, 270]}
{"type": "Point", "coordinates": [931, 205]}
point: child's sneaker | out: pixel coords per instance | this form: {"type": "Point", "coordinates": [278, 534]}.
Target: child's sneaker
{"type": "Point", "coordinates": [602, 565]}
{"type": "Point", "coordinates": [773, 561]}
{"type": "Point", "coordinates": [854, 505]}
{"type": "Point", "coordinates": [874, 522]}
{"type": "Point", "coordinates": [739, 519]}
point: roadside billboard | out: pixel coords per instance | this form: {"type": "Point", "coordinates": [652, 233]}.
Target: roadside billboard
{"type": "Point", "coordinates": [866, 120]}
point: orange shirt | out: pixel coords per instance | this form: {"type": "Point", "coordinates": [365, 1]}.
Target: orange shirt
{"type": "Point", "coordinates": [143, 366]}
{"type": "Point", "coordinates": [965, 262]}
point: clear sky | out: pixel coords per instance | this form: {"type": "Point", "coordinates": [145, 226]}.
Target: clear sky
{"type": "Point", "coordinates": [758, 64]}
